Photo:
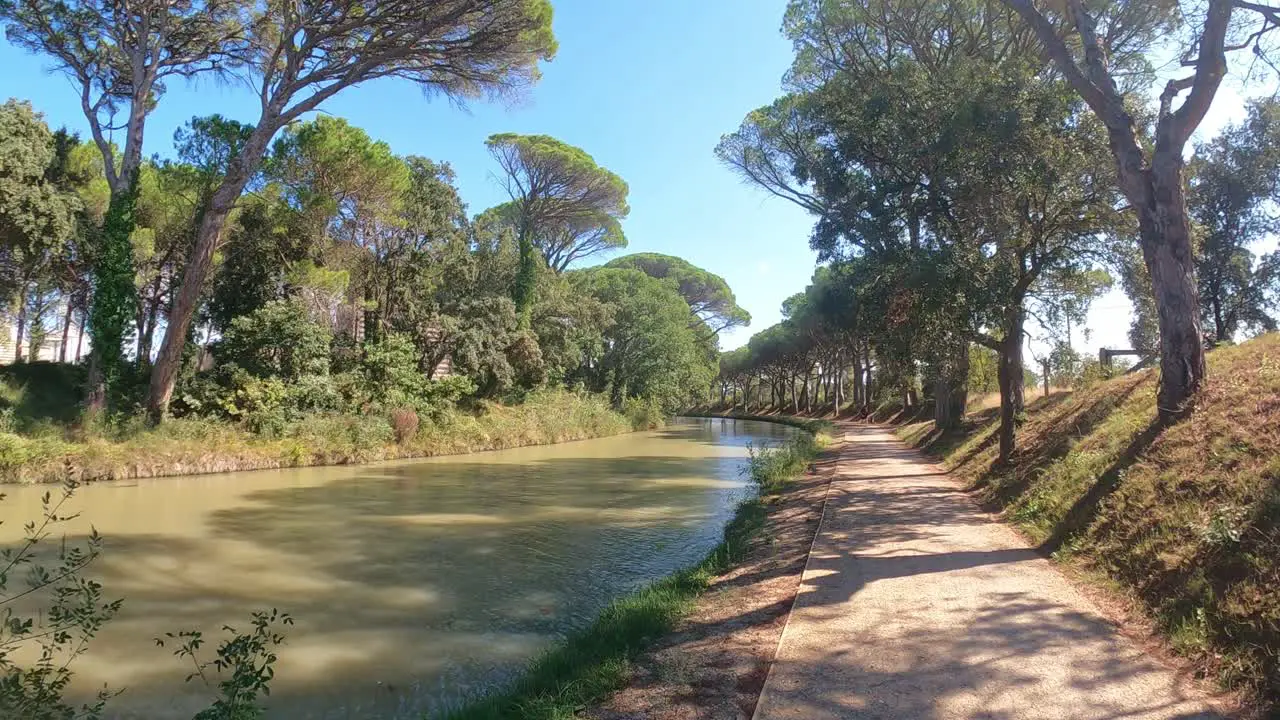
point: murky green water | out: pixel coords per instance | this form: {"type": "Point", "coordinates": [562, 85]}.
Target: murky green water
{"type": "Point", "coordinates": [414, 584]}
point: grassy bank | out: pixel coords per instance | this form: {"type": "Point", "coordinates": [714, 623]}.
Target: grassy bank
{"type": "Point", "coordinates": [1183, 520]}
{"type": "Point", "coordinates": [595, 661]}
{"type": "Point", "coordinates": [48, 451]}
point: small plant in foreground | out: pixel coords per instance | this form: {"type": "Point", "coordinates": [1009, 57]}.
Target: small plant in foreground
{"type": "Point", "coordinates": [50, 617]}
{"type": "Point", "coordinates": [64, 611]}
{"type": "Point", "coordinates": [247, 660]}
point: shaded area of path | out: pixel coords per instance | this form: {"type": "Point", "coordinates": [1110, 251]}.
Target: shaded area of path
{"type": "Point", "coordinates": [917, 605]}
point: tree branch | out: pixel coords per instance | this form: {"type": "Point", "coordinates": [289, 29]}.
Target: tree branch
{"type": "Point", "coordinates": [1211, 67]}
{"type": "Point", "coordinates": [1057, 49]}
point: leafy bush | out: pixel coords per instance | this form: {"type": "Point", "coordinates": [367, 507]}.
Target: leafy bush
{"type": "Point", "coordinates": [644, 413]}
{"type": "Point", "coordinates": [250, 658]}
{"type": "Point", "coordinates": [278, 340]}
{"type": "Point", "coordinates": [257, 402]}
{"type": "Point", "coordinates": [314, 393]}
{"type": "Point", "coordinates": [526, 360]}
{"type": "Point", "coordinates": [390, 376]}
{"type": "Point", "coordinates": [391, 372]}
{"type": "Point", "coordinates": [33, 392]}
{"type": "Point", "coordinates": [770, 467]}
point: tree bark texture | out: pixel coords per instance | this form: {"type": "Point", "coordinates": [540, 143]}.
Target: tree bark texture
{"type": "Point", "coordinates": [1010, 373]}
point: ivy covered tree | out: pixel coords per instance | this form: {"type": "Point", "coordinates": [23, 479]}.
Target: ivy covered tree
{"type": "Point", "coordinates": [119, 57]}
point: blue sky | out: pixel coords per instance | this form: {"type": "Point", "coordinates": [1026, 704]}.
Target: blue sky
{"type": "Point", "coordinates": [647, 87]}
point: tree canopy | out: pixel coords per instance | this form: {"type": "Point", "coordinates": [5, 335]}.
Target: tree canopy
{"type": "Point", "coordinates": [38, 218]}
{"type": "Point", "coordinates": [649, 350]}
{"type": "Point", "coordinates": [351, 281]}
{"type": "Point", "coordinates": [1234, 181]}
{"type": "Point", "coordinates": [562, 204]}
{"type": "Point", "coordinates": [709, 297]}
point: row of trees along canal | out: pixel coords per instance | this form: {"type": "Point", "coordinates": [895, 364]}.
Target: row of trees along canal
{"type": "Point", "coordinates": [332, 274]}
{"type": "Point", "coordinates": [974, 163]}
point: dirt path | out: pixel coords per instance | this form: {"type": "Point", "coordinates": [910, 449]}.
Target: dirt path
{"type": "Point", "coordinates": [916, 605]}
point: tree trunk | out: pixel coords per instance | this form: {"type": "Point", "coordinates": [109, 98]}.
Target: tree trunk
{"type": "Point", "coordinates": [839, 383]}
{"type": "Point", "coordinates": [840, 399]}
{"type": "Point", "coordinates": [1155, 189]}
{"type": "Point", "coordinates": [372, 324]}
{"type": "Point", "coordinates": [1010, 372]}
{"type": "Point", "coordinates": [868, 388]}
{"type": "Point", "coordinates": [140, 327]}
{"type": "Point", "coordinates": [811, 389]}
{"type": "Point", "coordinates": [806, 395]}
{"type": "Point", "coordinates": [66, 330]}
{"type": "Point", "coordinates": [79, 343]}
{"type": "Point", "coordinates": [526, 275]}
{"type": "Point", "coordinates": [18, 355]}
{"type": "Point", "coordinates": [1219, 322]}
{"type": "Point", "coordinates": [147, 331]}
{"type": "Point", "coordinates": [951, 390]}
{"type": "Point", "coordinates": [859, 391]}
{"type": "Point", "coordinates": [187, 295]}
{"type": "Point", "coordinates": [114, 294]}
{"type": "Point", "coordinates": [1166, 247]}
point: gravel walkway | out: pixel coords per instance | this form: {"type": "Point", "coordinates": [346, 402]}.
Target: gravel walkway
{"type": "Point", "coordinates": [917, 605]}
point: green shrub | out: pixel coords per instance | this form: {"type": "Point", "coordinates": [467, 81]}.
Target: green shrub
{"type": "Point", "coordinates": [313, 394]}
{"type": "Point", "coordinates": [249, 657]}
{"type": "Point", "coordinates": [644, 413]}
{"type": "Point", "coordinates": [391, 377]}
{"type": "Point", "coordinates": [35, 392]}
{"type": "Point", "coordinates": [250, 395]}
{"type": "Point", "coordinates": [439, 397]}
{"type": "Point", "coordinates": [771, 467]}
{"type": "Point", "coordinates": [278, 340]}
{"type": "Point", "coordinates": [71, 611]}
{"type": "Point", "coordinates": [391, 373]}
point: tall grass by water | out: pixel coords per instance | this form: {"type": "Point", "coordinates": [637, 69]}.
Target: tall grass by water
{"type": "Point", "coordinates": [52, 450]}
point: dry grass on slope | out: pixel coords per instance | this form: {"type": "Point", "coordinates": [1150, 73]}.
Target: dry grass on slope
{"type": "Point", "coordinates": [1186, 519]}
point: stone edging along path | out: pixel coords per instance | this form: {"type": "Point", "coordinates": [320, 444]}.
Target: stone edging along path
{"type": "Point", "coordinates": [915, 604]}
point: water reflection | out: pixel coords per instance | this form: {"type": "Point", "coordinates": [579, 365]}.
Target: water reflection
{"type": "Point", "coordinates": [413, 585]}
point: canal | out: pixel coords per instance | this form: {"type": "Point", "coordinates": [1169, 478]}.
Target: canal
{"type": "Point", "coordinates": [413, 585]}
